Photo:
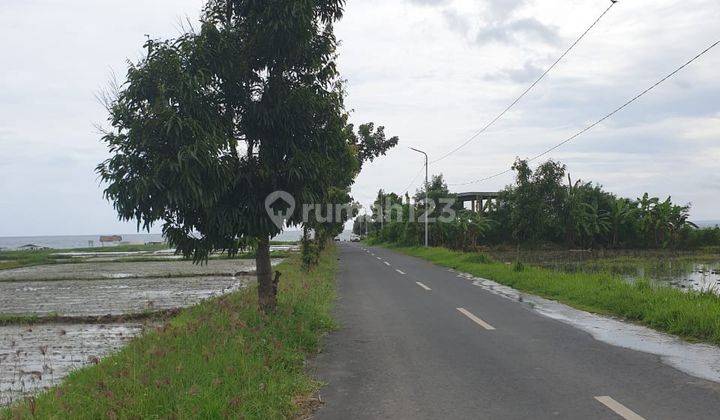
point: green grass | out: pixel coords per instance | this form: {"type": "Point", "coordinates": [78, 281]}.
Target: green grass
{"type": "Point", "coordinates": [221, 358]}
{"type": "Point", "coordinates": [692, 315]}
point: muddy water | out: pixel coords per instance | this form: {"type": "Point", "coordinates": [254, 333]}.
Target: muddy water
{"type": "Point", "coordinates": [111, 297]}
{"type": "Point", "coordinates": [679, 273]}
{"type": "Point", "coordinates": [120, 270]}
{"type": "Point", "coordinates": [35, 358]}
{"type": "Point", "coordinates": [682, 270]}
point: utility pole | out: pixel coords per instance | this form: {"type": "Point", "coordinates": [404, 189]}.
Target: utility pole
{"type": "Point", "coordinates": [381, 198]}
{"type": "Point", "coordinates": [427, 198]}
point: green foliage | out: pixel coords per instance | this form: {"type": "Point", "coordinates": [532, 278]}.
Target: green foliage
{"type": "Point", "coordinates": [211, 123]}
{"type": "Point", "coordinates": [541, 208]}
{"type": "Point", "coordinates": [310, 251]}
{"type": "Point", "coordinates": [219, 359]}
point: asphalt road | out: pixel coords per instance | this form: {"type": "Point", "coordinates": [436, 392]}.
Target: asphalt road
{"type": "Point", "coordinates": [418, 342]}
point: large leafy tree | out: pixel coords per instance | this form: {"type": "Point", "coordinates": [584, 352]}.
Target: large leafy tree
{"type": "Point", "coordinates": [212, 122]}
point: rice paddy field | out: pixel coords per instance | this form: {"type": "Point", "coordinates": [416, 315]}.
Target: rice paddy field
{"type": "Point", "coordinates": [62, 311]}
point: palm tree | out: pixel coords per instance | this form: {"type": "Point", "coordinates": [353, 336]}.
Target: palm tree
{"type": "Point", "coordinates": [573, 212]}
{"type": "Point", "coordinates": [648, 223]}
{"type": "Point", "coordinates": [678, 219]}
{"type": "Point", "coordinates": [621, 211]}
{"type": "Point", "coordinates": [662, 212]}
{"type": "Point", "coordinates": [595, 222]}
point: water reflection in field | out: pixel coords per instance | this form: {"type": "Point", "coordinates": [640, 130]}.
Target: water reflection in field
{"type": "Point", "coordinates": [687, 271]}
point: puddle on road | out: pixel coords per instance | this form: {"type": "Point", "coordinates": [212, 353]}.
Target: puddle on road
{"type": "Point", "coordinates": [35, 358]}
{"type": "Point", "coordinates": [699, 360]}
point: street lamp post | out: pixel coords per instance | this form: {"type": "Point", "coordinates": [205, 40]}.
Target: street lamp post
{"type": "Point", "coordinates": [427, 198]}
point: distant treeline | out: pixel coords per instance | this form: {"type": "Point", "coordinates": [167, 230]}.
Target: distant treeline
{"type": "Point", "coordinates": [544, 206]}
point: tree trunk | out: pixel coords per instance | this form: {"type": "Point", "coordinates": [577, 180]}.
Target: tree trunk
{"type": "Point", "coordinates": [267, 286]}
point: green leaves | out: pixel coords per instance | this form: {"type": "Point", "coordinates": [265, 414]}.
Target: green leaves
{"type": "Point", "coordinates": [210, 123]}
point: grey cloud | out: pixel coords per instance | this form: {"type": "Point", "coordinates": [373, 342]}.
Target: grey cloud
{"type": "Point", "coordinates": [527, 29]}
{"type": "Point", "coordinates": [457, 22]}
{"type": "Point", "coordinates": [429, 2]}
{"type": "Point", "coordinates": [501, 9]}
{"type": "Point", "coordinates": [499, 26]}
{"type": "Point", "coordinates": [523, 75]}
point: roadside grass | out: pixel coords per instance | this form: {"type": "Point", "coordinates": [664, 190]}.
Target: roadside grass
{"type": "Point", "coordinates": [221, 358]}
{"type": "Point", "coordinates": [692, 315]}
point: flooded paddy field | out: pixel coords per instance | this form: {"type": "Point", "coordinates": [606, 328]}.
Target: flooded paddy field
{"type": "Point", "coordinates": [98, 270]}
{"type": "Point", "coordinates": [84, 298]}
{"type": "Point", "coordinates": [682, 270]}
{"type": "Point", "coordinates": [159, 255]}
{"type": "Point", "coordinates": [34, 358]}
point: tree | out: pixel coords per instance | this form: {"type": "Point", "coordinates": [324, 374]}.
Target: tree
{"type": "Point", "coordinates": [210, 124]}
{"type": "Point", "coordinates": [367, 145]}
{"type": "Point", "coordinates": [621, 211]}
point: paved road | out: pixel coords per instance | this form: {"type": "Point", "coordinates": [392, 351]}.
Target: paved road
{"type": "Point", "coordinates": [417, 342]}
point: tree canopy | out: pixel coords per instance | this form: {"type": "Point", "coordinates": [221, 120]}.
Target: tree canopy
{"type": "Point", "coordinates": [211, 123]}
{"type": "Point", "coordinates": [545, 206]}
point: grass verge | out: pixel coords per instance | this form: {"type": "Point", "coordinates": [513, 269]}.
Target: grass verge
{"type": "Point", "coordinates": [692, 315]}
{"type": "Point", "coordinates": [221, 358]}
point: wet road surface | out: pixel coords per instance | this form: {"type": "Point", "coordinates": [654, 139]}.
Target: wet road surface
{"type": "Point", "coordinates": [420, 342]}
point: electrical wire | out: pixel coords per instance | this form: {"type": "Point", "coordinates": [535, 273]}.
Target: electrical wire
{"type": "Point", "coordinates": [535, 83]}
{"type": "Point", "coordinates": [407, 189]}
{"type": "Point", "coordinates": [601, 120]}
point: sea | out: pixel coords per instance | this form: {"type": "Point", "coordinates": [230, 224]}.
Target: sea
{"type": "Point", "coordinates": [707, 223]}
{"type": "Point", "coordinates": [92, 241]}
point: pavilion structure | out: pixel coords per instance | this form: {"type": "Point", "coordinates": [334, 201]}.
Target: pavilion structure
{"type": "Point", "coordinates": [480, 202]}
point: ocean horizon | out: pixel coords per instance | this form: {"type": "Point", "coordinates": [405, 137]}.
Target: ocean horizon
{"type": "Point", "coordinates": [93, 241]}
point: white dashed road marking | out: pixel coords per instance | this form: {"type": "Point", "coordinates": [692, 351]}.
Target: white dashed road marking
{"type": "Point", "coordinates": [619, 409]}
{"type": "Point", "coordinates": [401, 272]}
{"type": "Point", "coordinates": [387, 263]}
{"type": "Point", "coordinates": [423, 286]}
{"type": "Point", "coordinates": [475, 319]}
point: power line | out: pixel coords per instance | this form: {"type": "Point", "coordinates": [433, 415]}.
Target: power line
{"type": "Point", "coordinates": [603, 119]}
{"type": "Point", "coordinates": [535, 83]}
{"type": "Point", "coordinates": [407, 189]}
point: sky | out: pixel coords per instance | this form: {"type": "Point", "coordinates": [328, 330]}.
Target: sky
{"type": "Point", "coordinates": [433, 72]}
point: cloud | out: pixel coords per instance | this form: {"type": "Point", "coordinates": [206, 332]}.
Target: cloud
{"type": "Point", "coordinates": [429, 2]}
{"type": "Point", "coordinates": [501, 9]}
{"type": "Point", "coordinates": [520, 30]}
{"type": "Point", "coordinates": [432, 71]}
{"type": "Point", "coordinates": [525, 74]}
{"type": "Point", "coordinates": [497, 23]}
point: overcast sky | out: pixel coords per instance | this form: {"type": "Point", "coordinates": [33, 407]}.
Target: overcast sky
{"type": "Point", "coordinates": [432, 71]}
